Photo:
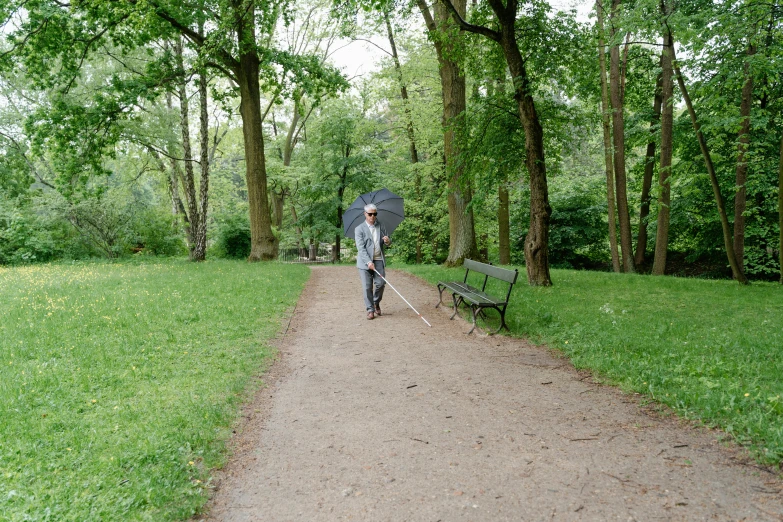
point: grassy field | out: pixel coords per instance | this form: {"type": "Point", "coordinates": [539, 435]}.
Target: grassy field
{"type": "Point", "coordinates": [711, 350]}
{"type": "Point", "coordinates": [119, 382]}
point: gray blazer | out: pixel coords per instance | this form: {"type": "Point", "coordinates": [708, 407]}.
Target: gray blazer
{"type": "Point", "coordinates": [365, 244]}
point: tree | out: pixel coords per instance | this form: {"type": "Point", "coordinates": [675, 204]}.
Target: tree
{"type": "Point", "coordinates": [537, 240]}
{"type": "Point", "coordinates": [462, 234]}
{"type": "Point", "coordinates": [238, 43]}
{"type": "Point", "coordinates": [780, 209]}
{"type": "Point", "coordinates": [617, 88]}
{"type": "Point", "coordinates": [667, 122]}
{"type": "Point", "coordinates": [606, 114]}
{"type": "Point", "coordinates": [736, 268]}
{"type": "Point", "coordinates": [341, 160]}
{"type": "Point", "coordinates": [649, 168]}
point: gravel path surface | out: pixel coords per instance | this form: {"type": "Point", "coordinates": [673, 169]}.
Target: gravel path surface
{"type": "Point", "coordinates": [391, 420]}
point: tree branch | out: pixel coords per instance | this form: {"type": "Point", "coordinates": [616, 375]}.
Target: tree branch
{"type": "Point", "coordinates": [27, 160]}
{"type": "Point", "coordinates": [471, 28]}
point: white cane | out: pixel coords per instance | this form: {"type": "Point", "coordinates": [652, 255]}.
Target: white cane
{"type": "Point", "coordinates": [399, 294]}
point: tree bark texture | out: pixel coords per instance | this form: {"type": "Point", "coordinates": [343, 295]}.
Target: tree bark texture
{"type": "Point", "coordinates": [618, 136]}
{"type": "Point", "coordinates": [741, 173]}
{"type": "Point", "coordinates": [780, 209]}
{"type": "Point", "coordinates": [462, 238]}
{"type": "Point", "coordinates": [537, 240]}
{"type": "Point", "coordinates": [504, 232]}
{"type": "Point", "coordinates": [263, 244]}
{"type": "Point", "coordinates": [403, 92]}
{"type": "Point", "coordinates": [736, 269]}
{"type": "Point", "coordinates": [605, 118]}
{"type": "Point", "coordinates": [649, 169]}
{"type": "Point", "coordinates": [289, 139]}
{"type": "Point", "coordinates": [664, 178]}
{"type": "Point", "coordinates": [340, 194]}
{"type": "Point", "coordinates": [200, 248]}
{"type": "Point", "coordinates": [189, 185]}
{"type": "Point", "coordinates": [278, 204]}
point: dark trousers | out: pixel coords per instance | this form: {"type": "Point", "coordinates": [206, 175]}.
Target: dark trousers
{"type": "Point", "coordinates": [372, 285]}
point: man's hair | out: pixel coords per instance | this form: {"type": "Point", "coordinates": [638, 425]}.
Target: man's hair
{"type": "Point", "coordinates": [370, 206]}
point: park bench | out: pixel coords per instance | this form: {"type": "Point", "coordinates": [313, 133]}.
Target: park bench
{"type": "Point", "coordinates": [480, 302]}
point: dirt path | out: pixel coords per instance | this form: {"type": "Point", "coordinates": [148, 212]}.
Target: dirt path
{"type": "Point", "coordinates": [391, 420]}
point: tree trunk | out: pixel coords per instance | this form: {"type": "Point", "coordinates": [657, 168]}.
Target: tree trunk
{"type": "Point", "coordinates": [618, 135]}
{"type": "Point", "coordinates": [187, 151]}
{"type": "Point", "coordinates": [408, 130]}
{"type": "Point", "coordinates": [278, 199]}
{"type": "Point", "coordinates": [299, 241]}
{"type": "Point", "coordinates": [649, 169]}
{"type": "Point", "coordinates": [504, 235]}
{"type": "Point", "coordinates": [741, 173]}
{"type": "Point", "coordinates": [200, 249]}
{"type": "Point", "coordinates": [403, 92]}
{"type": "Point", "coordinates": [263, 244]}
{"type": "Point", "coordinates": [339, 222]}
{"type": "Point", "coordinates": [537, 240]}
{"type": "Point", "coordinates": [419, 234]}
{"type": "Point", "coordinates": [667, 125]}
{"type": "Point", "coordinates": [462, 239]}
{"type": "Point", "coordinates": [736, 269]}
{"type": "Point", "coordinates": [611, 214]}
{"type": "Point", "coordinates": [289, 139]}
{"type": "Point", "coordinates": [780, 209]}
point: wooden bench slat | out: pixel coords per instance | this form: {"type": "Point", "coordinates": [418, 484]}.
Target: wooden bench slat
{"type": "Point", "coordinates": [504, 274]}
{"type": "Point", "coordinates": [473, 294]}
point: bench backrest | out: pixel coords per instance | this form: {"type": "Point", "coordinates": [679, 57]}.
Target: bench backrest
{"type": "Point", "coordinates": [504, 274]}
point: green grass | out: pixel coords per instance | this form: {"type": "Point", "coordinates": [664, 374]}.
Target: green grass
{"type": "Point", "coordinates": [119, 382]}
{"type": "Point", "coordinates": [710, 350]}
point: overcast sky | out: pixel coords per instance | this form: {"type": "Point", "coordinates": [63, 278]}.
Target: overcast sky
{"type": "Point", "coordinates": [359, 58]}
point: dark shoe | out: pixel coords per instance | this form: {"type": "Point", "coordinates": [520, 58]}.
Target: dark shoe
{"type": "Point", "coordinates": [370, 315]}
{"type": "Point", "coordinates": [378, 310]}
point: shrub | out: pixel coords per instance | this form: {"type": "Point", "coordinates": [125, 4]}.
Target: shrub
{"type": "Point", "coordinates": [233, 237]}
{"type": "Point", "coordinates": [158, 233]}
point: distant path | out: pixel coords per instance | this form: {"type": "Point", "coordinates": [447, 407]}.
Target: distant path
{"type": "Point", "coordinates": [391, 420]}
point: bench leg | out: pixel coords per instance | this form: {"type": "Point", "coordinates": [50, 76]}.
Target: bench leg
{"type": "Point", "coordinates": [489, 319]}
{"type": "Point", "coordinates": [456, 305]}
{"type": "Point", "coordinates": [440, 295]}
{"type": "Point", "coordinates": [474, 310]}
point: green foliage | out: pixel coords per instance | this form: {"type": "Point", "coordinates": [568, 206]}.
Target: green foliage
{"type": "Point", "coordinates": [158, 233]}
{"type": "Point", "coordinates": [650, 335]}
{"type": "Point", "coordinates": [23, 236]}
{"type": "Point", "coordinates": [119, 382]}
{"type": "Point", "coordinates": [577, 237]}
{"type": "Point", "coordinates": [233, 237]}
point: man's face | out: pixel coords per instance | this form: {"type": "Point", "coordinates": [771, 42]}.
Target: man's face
{"type": "Point", "coordinates": [372, 215]}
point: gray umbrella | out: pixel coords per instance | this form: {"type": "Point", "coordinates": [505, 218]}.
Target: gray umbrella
{"type": "Point", "coordinates": [390, 211]}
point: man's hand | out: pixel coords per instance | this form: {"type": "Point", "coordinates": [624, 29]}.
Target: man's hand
{"type": "Point", "coordinates": [386, 239]}
{"type": "Point", "coordinates": [371, 266]}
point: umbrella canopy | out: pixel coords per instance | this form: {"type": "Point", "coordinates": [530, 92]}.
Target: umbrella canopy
{"type": "Point", "coordinates": [390, 211]}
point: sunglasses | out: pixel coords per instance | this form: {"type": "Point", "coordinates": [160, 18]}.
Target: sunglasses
{"type": "Point", "coordinates": [371, 213]}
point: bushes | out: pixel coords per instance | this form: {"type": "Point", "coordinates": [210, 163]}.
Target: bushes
{"type": "Point", "coordinates": [159, 233]}
{"type": "Point", "coordinates": [23, 238]}
{"type": "Point", "coordinates": [578, 228]}
{"type": "Point", "coordinates": [45, 227]}
{"type": "Point", "coordinates": [232, 237]}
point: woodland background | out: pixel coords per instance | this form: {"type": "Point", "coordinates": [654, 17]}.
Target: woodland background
{"type": "Point", "coordinates": [221, 128]}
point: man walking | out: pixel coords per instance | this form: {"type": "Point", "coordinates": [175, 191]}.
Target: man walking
{"type": "Point", "coordinates": [371, 240]}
